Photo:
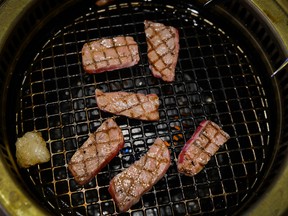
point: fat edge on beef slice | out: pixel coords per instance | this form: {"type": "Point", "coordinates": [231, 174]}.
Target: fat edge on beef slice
{"type": "Point", "coordinates": [97, 151]}
{"type": "Point", "coordinates": [163, 49]}
{"type": "Point", "coordinates": [127, 187]}
{"type": "Point", "coordinates": [132, 105]}
{"type": "Point", "coordinates": [198, 150]}
{"type": "Point", "coordinates": [107, 54]}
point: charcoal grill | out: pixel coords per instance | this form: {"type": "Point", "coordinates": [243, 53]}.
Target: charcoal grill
{"type": "Point", "coordinates": [227, 55]}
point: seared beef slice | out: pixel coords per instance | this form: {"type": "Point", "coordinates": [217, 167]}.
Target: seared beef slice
{"type": "Point", "coordinates": [198, 150]}
{"type": "Point", "coordinates": [163, 49]}
{"type": "Point", "coordinates": [132, 105]}
{"type": "Point", "coordinates": [109, 54]}
{"type": "Point", "coordinates": [127, 187]}
{"type": "Point", "coordinates": [98, 150]}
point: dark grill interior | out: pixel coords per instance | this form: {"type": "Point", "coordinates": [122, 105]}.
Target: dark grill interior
{"type": "Point", "coordinates": [217, 78]}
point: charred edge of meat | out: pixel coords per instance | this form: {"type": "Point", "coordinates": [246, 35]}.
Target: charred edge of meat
{"type": "Point", "coordinates": [78, 160]}
{"type": "Point", "coordinates": [174, 51]}
{"type": "Point", "coordinates": [203, 144]}
{"type": "Point", "coordinates": [128, 109]}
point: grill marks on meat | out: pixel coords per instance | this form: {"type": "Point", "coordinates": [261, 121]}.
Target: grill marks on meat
{"type": "Point", "coordinates": [97, 151]}
{"type": "Point", "coordinates": [133, 105]}
{"type": "Point", "coordinates": [127, 187]}
{"type": "Point", "coordinates": [198, 150]}
{"type": "Point", "coordinates": [163, 49]}
{"type": "Point", "coordinates": [109, 54]}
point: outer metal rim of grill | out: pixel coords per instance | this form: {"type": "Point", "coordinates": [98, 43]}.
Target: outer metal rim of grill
{"type": "Point", "coordinates": [11, 194]}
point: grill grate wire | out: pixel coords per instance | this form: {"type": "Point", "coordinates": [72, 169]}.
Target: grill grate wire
{"type": "Point", "coordinates": [215, 79]}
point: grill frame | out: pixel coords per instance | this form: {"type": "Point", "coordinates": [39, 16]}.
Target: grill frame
{"type": "Point", "coordinates": [107, 75]}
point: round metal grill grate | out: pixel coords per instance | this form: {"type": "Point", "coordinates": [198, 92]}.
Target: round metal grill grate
{"type": "Point", "coordinates": [215, 79]}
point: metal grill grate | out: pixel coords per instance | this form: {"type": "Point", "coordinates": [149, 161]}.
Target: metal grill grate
{"type": "Point", "coordinates": [215, 79]}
